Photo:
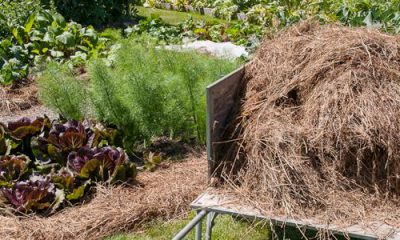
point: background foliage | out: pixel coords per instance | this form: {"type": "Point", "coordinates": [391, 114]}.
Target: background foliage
{"type": "Point", "coordinates": [93, 12]}
{"type": "Point", "coordinates": [44, 36]}
{"type": "Point", "coordinates": [15, 12]}
{"type": "Point", "coordinates": [280, 13]}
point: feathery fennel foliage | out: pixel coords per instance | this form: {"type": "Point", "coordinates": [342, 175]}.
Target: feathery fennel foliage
{"type": "Point", "coordinates": [149, 91]}
{"type": "Point", "coordinates": [61, 91]}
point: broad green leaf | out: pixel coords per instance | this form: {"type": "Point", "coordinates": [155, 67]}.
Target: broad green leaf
{"type": "Point", "coordinates": [24, 131]}
{"type": "Point", "coordinates": [91, 169]}
{"type": "Point", "coordinates": [119, 174]}
{"type": "Point", "coordinates": [36, 51]}
{"type": "Point", "coordinates": [124, 173]}
{"type": "Point", "coordinates": [30, 22]}
{"type": "Point", "coordinates": [77, 193]}
{"type": "Point", "coordinates": [56, 54]}
{"type": "Point", "coordinates": [60, 20]}
{"type": "Point", "coordinates": [17, 35]}
{"type": "Point", "coordinates": [47, 38]}
{"type": "Point", "coordinates": [67, 39]}
{"type": "Point", "coordinates": [5, 184]}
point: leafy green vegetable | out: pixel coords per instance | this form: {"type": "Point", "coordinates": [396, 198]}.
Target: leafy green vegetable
{"type": "Point", "coordinates": [44, 164]}
{"type": "Point", "coordinates": [43, 37]}
{"type": "Point", "coordinates": [12, 168]}
{"type": "Point", "coordinates": [37, 194]}
{"type": "Point", "coordinates": [91, 169]}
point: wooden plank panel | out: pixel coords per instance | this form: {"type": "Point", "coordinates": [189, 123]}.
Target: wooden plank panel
{"type": "Point", "coordinates": [221, 97]}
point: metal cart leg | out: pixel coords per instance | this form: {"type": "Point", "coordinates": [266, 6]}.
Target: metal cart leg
{"type": "Point", "coordinates": [210, 224]}
{"type": "Point", "coordinates": [198, 227]}
{"type": "Point", "coordinates": [196, 222]}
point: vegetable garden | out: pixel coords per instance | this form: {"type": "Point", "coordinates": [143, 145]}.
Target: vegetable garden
{"type": "Point", "coordinates": [123, 105]}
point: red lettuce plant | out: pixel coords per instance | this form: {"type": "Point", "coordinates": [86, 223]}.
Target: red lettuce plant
{"type": "Point", "coordinates": [65, 158]}
{"type": "Point", "coordinates": [12, 168]}
{"type": "Point", "coordinates": [37, 194]}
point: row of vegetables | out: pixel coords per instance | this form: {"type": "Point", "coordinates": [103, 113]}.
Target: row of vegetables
{"type": "Point", "coordinates": [46, 165]}
{"type": "Point", "coordinates": [47, 36]}
{"type": "Point", "coordinates": [280, 13]}
{"type": "Point", "coordinates": [240, 33]}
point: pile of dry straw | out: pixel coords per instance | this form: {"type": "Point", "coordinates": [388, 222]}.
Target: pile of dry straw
{"type": "Point", "coordinates": [318, 132]}
{"type": "Point", "coordinates": [163, 194]}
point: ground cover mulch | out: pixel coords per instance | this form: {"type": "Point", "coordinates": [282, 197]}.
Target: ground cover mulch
{"type": "Point", "coordinates": [163, 194]}
{"type": "Point", "coordinates": [317, 132]}
{"type": "Point", "coordinates": [18, 97]}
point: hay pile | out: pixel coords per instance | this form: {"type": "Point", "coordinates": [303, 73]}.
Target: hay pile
{"type": "Point", "coordinates": [318, 131]}
{"type": "Point", "coordinates": [163, 194]}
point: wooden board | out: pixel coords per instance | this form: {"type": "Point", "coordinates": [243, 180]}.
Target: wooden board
{"type": "Point", "coordinates": [225, 204]}
{"type": "Point", "coordinates": [221, 98]}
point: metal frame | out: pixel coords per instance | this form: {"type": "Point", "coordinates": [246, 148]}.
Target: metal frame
{"type": "Point", "coordinates": [196, 222]}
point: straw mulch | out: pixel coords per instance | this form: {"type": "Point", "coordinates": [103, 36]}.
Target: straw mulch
{"type": "Point", "coordinates": [17, 98]}
{"type": "Point", "coordinates": [318, 129]}
{"type": "Point", "coordinates": [163, 194]}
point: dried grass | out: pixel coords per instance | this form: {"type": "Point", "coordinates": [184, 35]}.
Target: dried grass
{"type": "Point", "coordinates": [318, 132]}
{"type": "Point", "coordinates": [17, 98]}
{"type": "Point", "coordinates": [163, 194]}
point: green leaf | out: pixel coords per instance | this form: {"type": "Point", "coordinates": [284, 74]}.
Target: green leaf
{"type": "Point", "coordinates": [90, 169]}
{"type": "Point", "coordinates": [77, 193]}
{"type": "Point", "coordinates": [30, 22]}
{"type": "Point", "coordinates": [47, 38]}
{"type": "Point", "coordinates": [67, 39]}
{"type": "Point", "coordinates": [17, 35]}
{"type": "Point", "coordinates": [24, 131]}
{"type": "Point", "coordinates": [60, 20]}
{"type": "Point", "coordinates": [124, 173]}
{"type": "Point", "coordinates": [5, 184]}
{"type": "Point", "coordinates": [56, 54]}
{"type": "Point", "coordinates": [119, 174]}
{"type": "Point", "coordinates": [35, 51]}
{"type": "Point", "coordinates": [47, 168]}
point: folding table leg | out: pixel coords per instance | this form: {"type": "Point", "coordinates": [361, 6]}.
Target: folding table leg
{"type": "Point", "coordinates": [210, 224]}
{"type": "Point", "coordinates": [194, 223]}
{"type": "Point", "coordinates": [198, 229]}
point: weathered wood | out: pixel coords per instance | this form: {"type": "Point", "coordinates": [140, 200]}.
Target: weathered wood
{"type": "Point", "coordinates": [227, 204]}
{"type": "Point", "coordinates": [221, 98]}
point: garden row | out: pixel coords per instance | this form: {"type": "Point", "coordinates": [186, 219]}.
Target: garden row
{"type": "Point", "coordinates": [46, 165]}
{"type": "Point", "coordinates": [281, 13]}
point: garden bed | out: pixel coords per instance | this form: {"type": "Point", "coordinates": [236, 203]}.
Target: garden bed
{"type": "Point", "coordinates": [164, 194]}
